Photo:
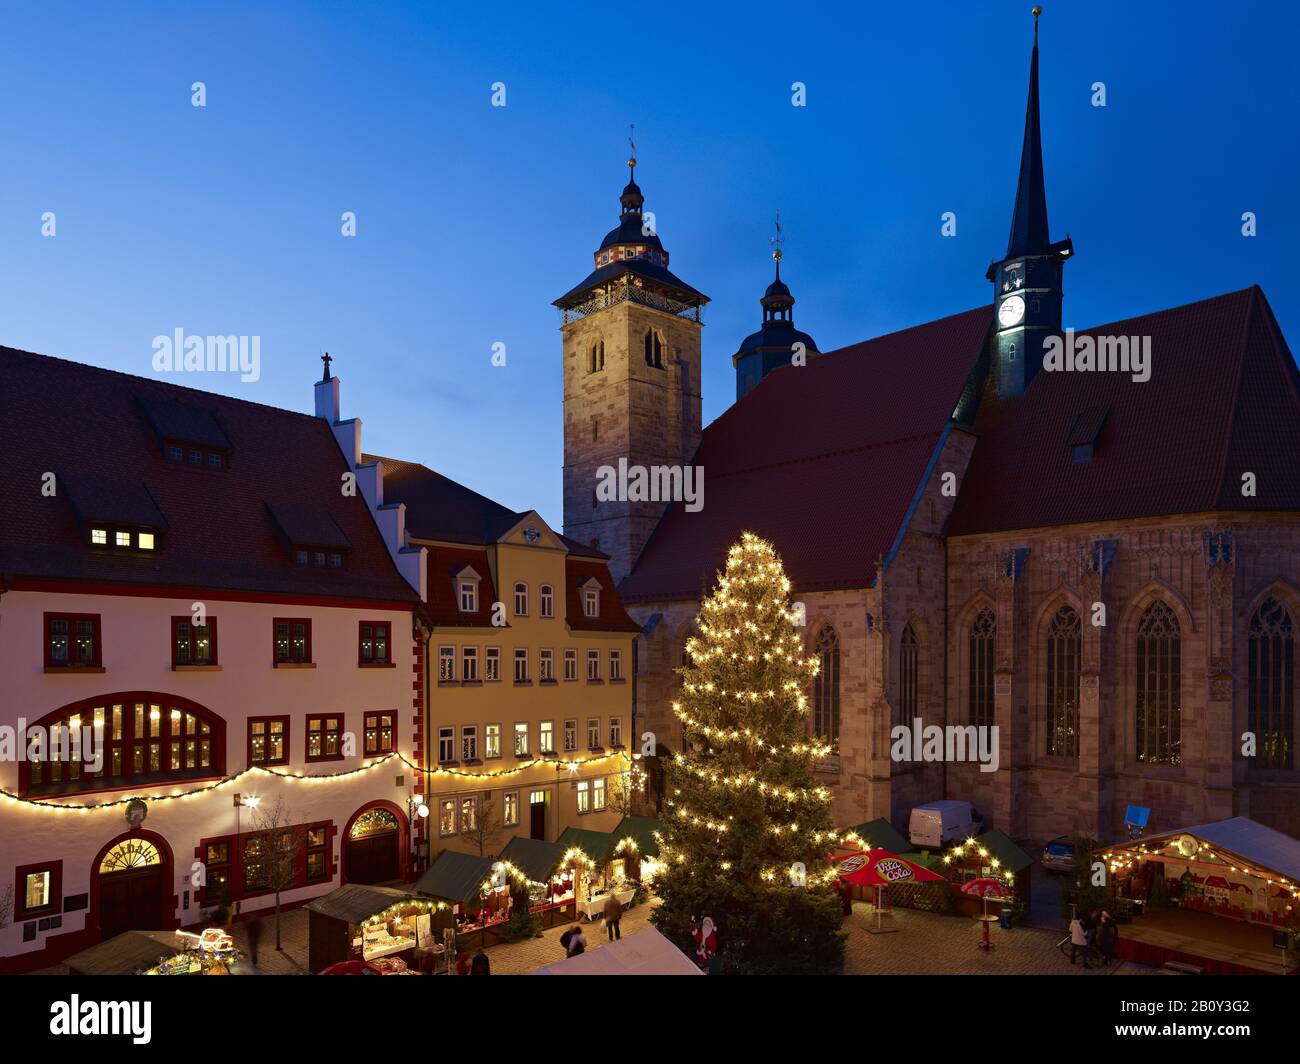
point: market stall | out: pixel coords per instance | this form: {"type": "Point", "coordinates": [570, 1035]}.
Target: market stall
{"type": "Point", "coordinates": [990, 856]}
{"type": "Point", "coordinates": [636, 848]}
{"type": "Point", "coordinates": [587, 866]}
{"type": "Point", "coordinates": [1221, 897]}
{"type": "Point", "coordinates": [394, 929]}
{"type": "Point", "coordinates": [876, 834]}
{"type": "Point", "coordinates": [457, 879]}
{"type": "Point", "coordinates": [211, 952]}
{"type": "Point", "coordinates": [548, 897]}
{"type": "Point", "coordinates": [879, 869]}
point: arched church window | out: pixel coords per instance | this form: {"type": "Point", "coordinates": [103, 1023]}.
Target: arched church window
{"type": "Point", "coordinates": [1271, 678]}
{"type": "Point", "coordinates": [983, 643]}
{"type": "Point", "coordinates": [1159, 708]}
{"type": "Point", "coordinates": [909, 654]}
{"type": "Point", "coordinates": [1064, 636]}
{"type": "Point", "coordinates": [826, 687]}
{"type": "Point", "coordinates": [654, 349]}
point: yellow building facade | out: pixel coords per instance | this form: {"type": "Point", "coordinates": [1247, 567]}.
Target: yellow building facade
{"type": "Point", "coordinates": [527, 702]}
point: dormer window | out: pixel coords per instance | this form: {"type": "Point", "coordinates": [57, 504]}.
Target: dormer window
{"type": "Point", "coordinates": [178, 453]}
{"type": "Point", "coordinates": [318, 558]}
{"type": "Point", "coordinates": [123, 539]}
{"type": "Point", "coordinates": [591, 598]}
{"type": "Point", "coordinates": [469, 596]}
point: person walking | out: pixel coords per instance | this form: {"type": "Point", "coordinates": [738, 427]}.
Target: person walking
{"type": "Point", "coordinates": [1078, 940]}
{"type": "Point", "coordinates": [577, 942]}
{"type": "Point", "coordinates": [1107, 935]}
{"type": "Point", "coordinates": [613, 914]}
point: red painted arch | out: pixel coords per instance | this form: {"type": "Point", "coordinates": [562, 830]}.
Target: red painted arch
{"type": "Point", "coordinates": [169, 900]}
{"type": "Point", "coordinates": [403, 838]}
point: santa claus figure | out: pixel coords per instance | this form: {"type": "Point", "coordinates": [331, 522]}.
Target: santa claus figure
{"type": "Point", "coordinates": [705, 934]}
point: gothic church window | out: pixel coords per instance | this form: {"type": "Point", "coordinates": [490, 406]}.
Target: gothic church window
{"type": "Point", "coordinates": [826, 687]}
{"type": "Point", "coordinates": [1271, 677]}
{"type": "Point", "coordinates": [908, 661]}
{"type": "Point", "coordinates": [983, 642]}
{"type": "Point", "coordinates": [1159, 686]}
{"type": "Point", "coordinates": [1062, 701]}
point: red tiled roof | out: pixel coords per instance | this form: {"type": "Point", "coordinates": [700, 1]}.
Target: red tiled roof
{"type": "Point", "coordinates": [1223, 400]}
{"type": "Point", "coordinates": [613, 617]}
{"type": "Point", "coordinates": [439, 508]}
{"type": "Point", "coordinates": [822, 459]}
{"type": "Point", "coordinates": [94, 427]}
{"type": "Point", "coordinates": [444, 603]}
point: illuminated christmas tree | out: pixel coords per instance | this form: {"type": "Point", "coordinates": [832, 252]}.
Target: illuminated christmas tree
{"type": "Point", "coordinates": [746, 827]}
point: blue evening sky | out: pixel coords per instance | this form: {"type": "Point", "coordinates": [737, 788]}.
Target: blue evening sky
{"type": "Point", "coordinates": [471, 218]}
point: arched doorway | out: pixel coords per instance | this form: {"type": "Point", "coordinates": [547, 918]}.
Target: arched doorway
{"type": "Point", "coordinates": [374, 845]}
{"type": "Point", "coordinates": [132, 885]}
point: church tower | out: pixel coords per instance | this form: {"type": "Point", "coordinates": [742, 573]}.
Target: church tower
{"type": "Point", "coordinates": [1027, 282]}
{"type": "Point", "coordinates": [631, 341]}
{"type": "Point", "coordinates": [778, 342]}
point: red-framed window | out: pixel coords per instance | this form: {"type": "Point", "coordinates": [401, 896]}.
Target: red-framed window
{"type": "Point", "coordinates": [194, 644]}
{"type": "Point", "coordinates": [268, 740]}
{"type": "Point", "coordinates": [380, 733]}
{"type": "Point", "coordinates": [143, 738]}
{"type": "Point", "coordinates": [292, 640]}
{"type": "Point", "coordinates": [375, 641]}
{"type": "Point", "coordinates": [38, 890]}
{"type": "Point", "coordinates": [72, 641]}
{"type": "Point", "coordinates": [244, 865]}
{"type": "Point", "coordinates": [325, 737]}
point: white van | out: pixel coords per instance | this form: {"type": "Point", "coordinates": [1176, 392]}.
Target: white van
{"type": "Point", "coordinates": [933, 825]}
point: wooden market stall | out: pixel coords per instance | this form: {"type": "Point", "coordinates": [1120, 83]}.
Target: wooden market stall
{"type": "Point", "coordinates": [538, 862]}
{"type": "Point", "coordinates": [155, 953]}
{"type": "Point", "coordinates": [1222, 898]}
{"type": "Point", "coordinates": [587, 858]}
{"type": "Point", "coordinates": [637, 847]}
{"type": "Point", "coordinates": [459, 880]}
{"type": "Point", "coordinates": [990, 856]}
{"type": "Point", "coordinates": [370, 923]}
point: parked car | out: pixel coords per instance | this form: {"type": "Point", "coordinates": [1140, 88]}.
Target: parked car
{"type": "Point", "coordinates": [1060, 854]}
{"type": "Point", "coordinates": [934, 825]}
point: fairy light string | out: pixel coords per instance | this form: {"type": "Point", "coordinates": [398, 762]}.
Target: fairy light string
{"type": "Point", "coordinates": [572, 765]}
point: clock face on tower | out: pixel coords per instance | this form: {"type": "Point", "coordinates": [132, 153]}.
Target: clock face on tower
{"type": "Point", "coordinates": [1011, 311]}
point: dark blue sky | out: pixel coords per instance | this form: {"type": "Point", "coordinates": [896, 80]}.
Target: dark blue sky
{"type": "Point", "coordinates": [472, 219]}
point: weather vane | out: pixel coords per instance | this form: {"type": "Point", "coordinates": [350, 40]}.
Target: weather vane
{"type": "Point", "coordinates": [631, 143]}
{"type": "Point", "coordinates": [778, 238]}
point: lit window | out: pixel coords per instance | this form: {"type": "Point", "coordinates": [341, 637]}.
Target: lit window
{"type": "Point", "coordinates": [469, 743]}
{"type": "Point", "coordinates": [521, 740]}
{"type": "Point", "coordinates": [121, 539]}
{"type": "Point", "coordinates": [510, 808]}
{"type": "Point", "coordinates": [546, 738]}
{"type": "Point", "coordinates": [324, 738]}
{"type": "Point", "coordinates": [584, 797]}
{"type": "Point", "coordinates": [469, 814]}
{"type": "Point", "coordinates": [36, 894]}
{"type": "Point", "coordinates": [598, 794]}
{"type": "Point", "coordinates": [144, 540]}
{"type": "Point", "coordinates": [99, 536]}
{"type": "Point", "coordinates": [447, 817]}
{"type": "Point", "coordinates": [492, 740]}
{"type": "Point", "coordinates": [570, 735]}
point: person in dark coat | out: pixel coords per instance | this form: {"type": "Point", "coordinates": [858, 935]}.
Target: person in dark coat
{"type": "Point", "coordinates": [480, 965]}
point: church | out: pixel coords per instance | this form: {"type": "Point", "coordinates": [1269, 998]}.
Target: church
{"type": "Point", "coordinates": [1090, 542]}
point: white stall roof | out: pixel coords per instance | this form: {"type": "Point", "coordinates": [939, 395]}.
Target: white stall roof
{"type": "Point", "coordinates": [1253, 841]}
{"type": "Point", "coordinates": [645, 952]}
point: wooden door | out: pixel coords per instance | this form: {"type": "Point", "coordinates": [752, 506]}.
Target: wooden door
{"type": "Point", "coordinates": [538, 824]}
{"type": "Point", "coordinates": [374, 858]}
{"type": "Point", "coordinates": [130, 901]}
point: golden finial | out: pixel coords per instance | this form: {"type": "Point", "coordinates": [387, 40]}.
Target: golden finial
{"type": "Point", "coordinates": [778, 238]}
{"type": "Point", "coordinates": [1037, 11]}
{"type": "Point", "coordinates": [631, 161]}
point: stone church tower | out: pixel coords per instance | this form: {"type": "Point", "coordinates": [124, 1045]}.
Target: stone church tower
{"type": "Point", "coordinates": [631, 337]}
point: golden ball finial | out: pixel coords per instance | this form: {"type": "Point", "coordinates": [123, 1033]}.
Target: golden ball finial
{"type": "Point", "coordinates": [1037, 11]}
{"type": "Point", "coordinates": [632, 163]}
{"type": "Point", "coordinates": [776, 254]}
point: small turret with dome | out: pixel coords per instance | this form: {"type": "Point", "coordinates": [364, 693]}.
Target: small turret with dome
{"type": "Point", "coordinates": [778, 342]}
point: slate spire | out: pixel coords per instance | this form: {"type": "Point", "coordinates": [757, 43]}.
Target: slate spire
{"type": "Point", "coordinates": [1029, 233]}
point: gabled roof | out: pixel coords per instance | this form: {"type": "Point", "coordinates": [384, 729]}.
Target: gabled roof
{"type": "Point", "coordinates": [535, 858]}
{"type": "Point", "coordinates": [879, 834]}
{"type": "Point", "coordinates": [355, 902]}
{"type": "Point", "coordinates": [641, 830]}
{"type": "Point", "coordinates": [857, 428]}
{"type": "Point", "coordinates": [439, 508]}
{"type": "Point", "coordinates": [100, 430]}
{"type": "Point", "coordinates": [1223, 399]}
{"type": "Point", "coordinates": [597, 845]}
{"type": "Point", "coordinates": [455, 877]}
{"type": "Point", "coordinates": [1245, 838]}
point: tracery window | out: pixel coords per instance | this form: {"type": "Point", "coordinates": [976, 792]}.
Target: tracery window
{"type": "Point", "coordinates": [1271, 690]}
{"type": "Point", "coordinates": [1158, 679]}
{"type": "Point", "coordinates": [983, 644]}
{"type": "Point", "coordinates": [826, 687]}
{"type": "Point", "coordinates": [1064, 637]}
